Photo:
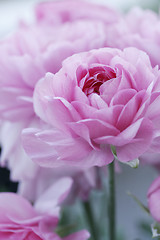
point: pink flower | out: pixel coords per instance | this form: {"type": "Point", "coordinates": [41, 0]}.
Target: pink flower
{"type": "Point", "coordinates": [148, 39]}
{"type": "Point", "coordinates": [59, 12]}
{"type": "Point", "coordinates": [154, 198]}
{"type": "Point", "coordinates": [19, 220]}
{"type": "Point", "coordinates": [131, 31]}
{"type": "Point", "coordinates": [99, 98]}
{"type": "Point", "coordinates": [26, 57]}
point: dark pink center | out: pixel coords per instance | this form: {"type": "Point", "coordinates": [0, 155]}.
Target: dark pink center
{"type": "Point", "coordinates": [96, 77]}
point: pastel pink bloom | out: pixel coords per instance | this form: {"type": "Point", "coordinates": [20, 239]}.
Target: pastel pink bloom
{"type": "Point", "coordinates": [145, 39]}
{"type": "Point", "coordinates": [26, 56]}
{"type": "Point", "coordinates": [19, 220]}
{"type": "Point", "coordinates": [154, 199]}
{"type": "Point", "coordinates": [99, 98]}
{"type": "Point", "coordinates": [59, 12]}
{"type": "Point", "coordinates": [131, 31]}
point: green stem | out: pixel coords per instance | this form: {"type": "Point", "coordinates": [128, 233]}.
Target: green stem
{"type": "Point", "coordinates": [90, 219]}
{"type": "Point", "coordinates": [111, 202]}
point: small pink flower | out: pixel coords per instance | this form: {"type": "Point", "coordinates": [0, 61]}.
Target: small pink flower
{"type": "Point", "coordinates": [59, 12]}
{"type": "Point", "coordinates": [19, 220]}
{"type": "Point", "coordinates": [154, 199]}
{"type": "Point", "coordinates": [99, 98]}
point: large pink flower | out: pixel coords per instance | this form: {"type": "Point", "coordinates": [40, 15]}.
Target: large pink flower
{"type": "Point", "coordinates": [19, 220]}
{"type": "Point", "coordinates": [98, 99]}
{"type": "Point", "coordinates": [59, 12]}
{"type": "Point", "coordinates": [154, 199]}
{"type": "Point", "coordinates": [26, 56]}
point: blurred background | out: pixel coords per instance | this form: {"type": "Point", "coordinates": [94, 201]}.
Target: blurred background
{"type": "Point", "coordinates": [132, 221]}
{"type": "Point", "coordinates": [13, 10]}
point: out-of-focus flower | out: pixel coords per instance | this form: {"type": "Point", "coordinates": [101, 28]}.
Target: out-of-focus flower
{"type": "Point", "coordinates": [154, 198]}
{"type": "Point", "coordinates": [59, 12]}
{"type": "Point", "coordinates": [151, 158]}
{"type": "Point", "coordinates": [138, 28]}
{"type": "Point", "coordinates": [145, 38]}
{"type": "Point", "coordinates": [99, 98]}
{"type": "Point", "coordinates": [19, 220]}
{"type": "Point", "coordinates": [32, 188]}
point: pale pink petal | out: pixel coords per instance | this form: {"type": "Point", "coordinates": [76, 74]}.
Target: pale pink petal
{"type": "Point", "coordinates": [15, 207]}
{"type": "Point", "coordinates": [129, 111]}
{"type": "Point", "coordinates": [49, 200]}
{"type": "Point", "coordinates": [138, 146]}
{"type": "Point", "coordinates": [56, 13]}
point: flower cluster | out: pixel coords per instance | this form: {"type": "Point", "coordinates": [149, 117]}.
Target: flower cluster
{"type": "Point", "coordinates": [79, 89]}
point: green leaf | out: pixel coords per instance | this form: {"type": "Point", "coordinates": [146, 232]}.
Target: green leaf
{"type": "Point", "coordinates": [139, 203]}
